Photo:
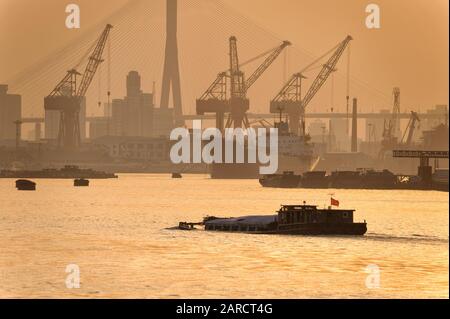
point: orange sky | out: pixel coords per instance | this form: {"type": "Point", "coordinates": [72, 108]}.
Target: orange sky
{"type": "Point", "coordinates": [410, 50]}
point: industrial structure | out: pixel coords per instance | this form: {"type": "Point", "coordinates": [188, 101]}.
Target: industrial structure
{"type": "Point", "coordinates": [410, 129]}
{"type": "Point", "coordinates": [395, 113]}
{"type": "Point", "coordinates": [354, 148]}
{"type": "Point", "coordinates": [289, 100]}
{"type": "Point", "coordinates": [425, 170]}
{"type": "Point", "coordinates": [222, 98]}
{"type": "Point", "coordinates": [392, 137]}
{"type": "Point", "coordinates": [67, 96]}
{"type": "Point", "coordinates": [171, 75]}
{"type": "Point", "coordinates": [391, 128]}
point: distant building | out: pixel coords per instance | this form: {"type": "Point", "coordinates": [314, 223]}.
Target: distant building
{"type": "Point", "coordinates": [133, 115]}
{"type": "Point", "coordinates": [442, 112]}
{"type": "Point", "coordinates": [10, 112]}
{"type": "Point", "coordinates": [101, 126]}
{"type": "Point", "coordinates": [107, 109]}
{"type": "Point", "coordinates": [52, 119]}
{"type": "Point", "coordinates": [98, 128]}
{"type": "Point", "coordinates": [139, 149]}
{"type": "Point", "coordinates": [318, 131]}
{"type": "Point", "coordinates": [163, 122]}
{"type": "Point", "coordinates": [375, 127]}
{"type": "Point", "coordinates": [436, 139]}
{"type": "Point", "coordinates": [340, 140]}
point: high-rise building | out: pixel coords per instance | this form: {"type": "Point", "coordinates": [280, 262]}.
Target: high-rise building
{"type": "Point", "coordinates": [10, 112]}
{"type": "Point", "coordinates": [133, 115]}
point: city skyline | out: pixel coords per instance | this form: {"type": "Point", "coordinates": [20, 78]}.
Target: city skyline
{"type": "Point", "coordinates": [376, 57]}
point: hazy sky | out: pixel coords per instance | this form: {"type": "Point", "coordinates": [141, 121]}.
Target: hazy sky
{"type": "Point", "coordinates": [410, 50]}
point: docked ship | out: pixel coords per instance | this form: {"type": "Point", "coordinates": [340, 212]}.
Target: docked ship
{"type": "Point", "coordinates": [315, 179]}
{"type": "Point", "coordinates": [295, 154]}
{"type": "Point", "coordinates": [289, 220]}
{"type": "Point", "coordinates": [67, 172]}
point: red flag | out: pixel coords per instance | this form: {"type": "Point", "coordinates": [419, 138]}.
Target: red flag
{"type": "Point", "coordinates": [334, 202]}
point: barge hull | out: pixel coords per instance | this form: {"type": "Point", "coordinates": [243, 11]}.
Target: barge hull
{"type": "Point", "coordinates": [354, 229]}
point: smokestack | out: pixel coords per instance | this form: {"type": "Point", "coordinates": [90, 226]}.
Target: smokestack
{"type": "Point", "coordinates": [355, 126]}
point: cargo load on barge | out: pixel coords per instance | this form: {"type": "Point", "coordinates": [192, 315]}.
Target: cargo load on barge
{"type": "Point", "coordinates": [289, 220]}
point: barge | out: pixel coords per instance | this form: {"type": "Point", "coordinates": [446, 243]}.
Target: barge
{"type": "Point", "coordinates": [360, 179]}
{"type": "Point", "coordinates": [289, 220]}
{"type": "Point", "coordinates": [67, 172]}
{"type": "Point", "coordinates": [285, 180]}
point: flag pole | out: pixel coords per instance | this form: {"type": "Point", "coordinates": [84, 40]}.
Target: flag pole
{"type": "Point", "coordinates": [331, 200]}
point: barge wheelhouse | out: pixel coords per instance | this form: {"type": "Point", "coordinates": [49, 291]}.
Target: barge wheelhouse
{"type": "Point", "coordinates": [309, 220]}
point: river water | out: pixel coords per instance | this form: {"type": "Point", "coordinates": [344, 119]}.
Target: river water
{"type": "Point", "coordinates": [115, 232]}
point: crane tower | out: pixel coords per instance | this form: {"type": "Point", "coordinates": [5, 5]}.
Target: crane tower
{"type": "Point", "coordinates": [289, 98]}
{"type": "Point", "coordinates": [67, 96]}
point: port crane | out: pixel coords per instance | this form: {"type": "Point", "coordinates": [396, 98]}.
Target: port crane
{"type": "Point", "coordinates": [410, 129]}
{"type": "Point", "coordinates": [68, 95]}
{"type": "Point", "coordinates": [289, 99]}
{"type": "Point", "coordinates": [231, 98]}
{"type": "Point", "coordinates": [392, 127]}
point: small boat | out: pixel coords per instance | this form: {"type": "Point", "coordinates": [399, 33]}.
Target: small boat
{"type": "Point", "coordinates": [176, 175]}
{"type": "Point", "coordinates": [289, 220]}
{"type": "Point", "coordinates": [81, 182]}
{"type": "Point", "coordinates": [25, 185]}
